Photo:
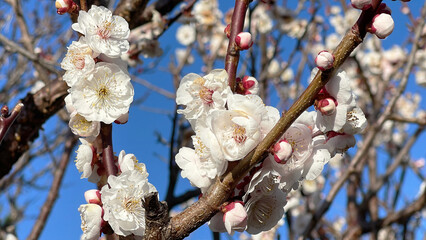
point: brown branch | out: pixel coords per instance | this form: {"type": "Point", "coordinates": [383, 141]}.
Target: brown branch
{"type": "Point", "coordinates": [131, 9]}
{"type": "Point", "coordinates": [54, 189]}
{"type": "Point", "coordinates": [233, 53]}
{"type": "Point", "coordinates": [37, 109]}
{"type": "Point", "coordinates": [418, 121]}
{"type": "Point", "coordinates": [11, 46]}
{"type": "Point", "coordinates": [107, 150]}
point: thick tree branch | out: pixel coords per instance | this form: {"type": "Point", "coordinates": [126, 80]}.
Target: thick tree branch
{"type": "Point", "coordinates": [38, 108]}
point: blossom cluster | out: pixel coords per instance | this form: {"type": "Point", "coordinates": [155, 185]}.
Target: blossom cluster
{"type": "Point", "coordinates": [100, 88]}
{"type": "Point", "coordinates": [228, 126]}
{"type": "Point", "coordinates": [119, 202]}
{"type": "Point", "coordinates": [100, 91]}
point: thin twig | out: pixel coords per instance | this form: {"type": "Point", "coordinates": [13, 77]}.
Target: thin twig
{"type": "Point", "coordinates": [54, 190]}
{"type": "Point", "coordinates": [233, 53]}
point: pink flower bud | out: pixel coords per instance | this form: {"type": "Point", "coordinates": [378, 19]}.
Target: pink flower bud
{"type": "Point", "coordinates": [122, 119]}
{"type": "Point", "coordinates": [243, 40]}
{"type": "Point", "coordinates": [228, 30]}
{"type": "Point", "coordinates": [64, 6]}
{"type": "Point", "coordinates": [282, 151]}
{"type": "Point", "coordinates": [324, 60]}
{"type": "Point", "coordinates": [361, 4]}
{"type": "Point", "coordinates": [235, 217]}
{"type": "Point", "coordinates": [326, 106]}
{"type": "Point", "coordinates": [250, 85]}
{"type": "Point", "coordinates": [93, 196]}
{"type": "Point", "coordinates": [383, 25]}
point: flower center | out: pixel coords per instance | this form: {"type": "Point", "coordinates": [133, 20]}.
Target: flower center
{"type": "Point", "coordinates": [206, 95]}
{"type": "Point", "coordinates": [105, 30]}
{"type": "Point", "coordinates": [77, 59]}
{"type": "Point", "coordinates": [262, 210]}
{"type": "Point", "coordinates": [131, 205]}
{"type": "Point", "coordinates": [103, 91]}
{"type": "Point", "coordinates": [239, 134]}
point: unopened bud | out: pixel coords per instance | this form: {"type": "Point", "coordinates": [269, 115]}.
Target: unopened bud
{"type": "Point", "coordinates": [382, 25]}
{"type": "Point", "coordinates": [326, 106]}
{"type": "Point", "coordinates": [324, 60]}
{"type": "Point", "coordinates": [250, 85]}
{"type": "Point", "coordinates": [93, 196]}
{"type": "Point", "coordinates": [361, 4]}
{"type": "Point", "coordinates": [243, 40]}
{"type": "Point", "coordinates": [282, 151]}
{"type": "Point", "coordinates": [228, 31]}
{"type": "Point", "coordinates": [64, 6]}
{"type": "Point", "coordinates": [235, 217]}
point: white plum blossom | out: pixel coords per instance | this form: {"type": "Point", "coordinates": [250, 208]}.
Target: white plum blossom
{"type": "Point", "coordinates": [206, 12]}
{"type": "Point", "coordinates": [355, 121]}
{"type": "Point", "coordinates": [339, 142]}
{"type": "Point", "coordinates": [84, 158]}
{"type": "Point", "coordinates": [320, 156]}
{"type": "Point", "coordinates": [266, 211]}
{"type": "Point", "coordinates": [78, 61]}
{"type": "Point", "coordinates": [261, 19]}
{"type": "Point", "coordinates": [122, 202]}
{"type": "Point", "coordinates": [201, 95]}
{"type": "Point", "coordinates": [104, 32]}
{"type": "Point", "coordinates": [185, 34]}
{"type": "Point", "coordinates": [240, 128]}
{"type": "Point", "coordinates": [91, 221]}
{"type": "Point", "coordinates": [80, 126]}
{"type": "Point", "coordinates": [202, 165]}
{"type": "Point", "coordinates": [190, 163]}
{"type": "Point", "coordinates": [104, 95]}
{"type": "Point", "coordinates": [338, 91]}
{"type": "Point", "coordinates": [129, 162]}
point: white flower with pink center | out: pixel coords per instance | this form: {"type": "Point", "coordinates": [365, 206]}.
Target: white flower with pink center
{"type": "Point", "coordinates": [104, 32]}
{"type": "Point", "coordinates": [122, 202]}
{"type": "Point", "coordinates": [240, 128]}
{"type": "Point", "coordinates": [78, 61]}
{"type": "Point", "coordinates": [104, 95]}
{"type": "Point", "coordinates": [201, 95]}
